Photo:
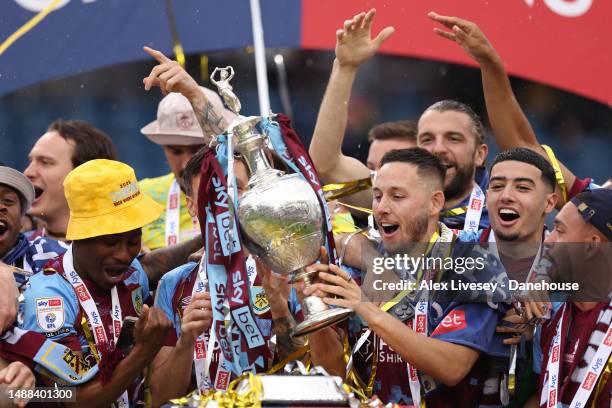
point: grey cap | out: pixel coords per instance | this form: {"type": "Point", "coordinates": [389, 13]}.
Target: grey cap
{"type": "Point", "coordinates": [20, 183]}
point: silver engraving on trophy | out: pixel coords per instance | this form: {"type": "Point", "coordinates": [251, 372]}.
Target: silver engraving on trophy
{"type": "Point", "coordinates": [280, 215]}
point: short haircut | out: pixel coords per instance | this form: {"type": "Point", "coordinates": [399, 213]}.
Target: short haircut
{"type": "Point", "coordinates": [524, 155]}
{"type": "Point", "coordinates": [399, 130]}
{"type": "Point", "coordinates": [89, 143]}
{"type": "Point", "coordinates": [427, 164]}
{"type": "Point", "coordinates": [192, 169]}
{"type": "Point", "coordinates": [456, 106]}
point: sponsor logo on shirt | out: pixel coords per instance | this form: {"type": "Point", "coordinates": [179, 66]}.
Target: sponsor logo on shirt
{"type": "Point", "coordinates": [453, 321]}
{"type": "Point", "coordinates": [50, 314]}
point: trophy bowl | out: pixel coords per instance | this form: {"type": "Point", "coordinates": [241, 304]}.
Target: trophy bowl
{"type": "Point", "coordinates": [282, 222]}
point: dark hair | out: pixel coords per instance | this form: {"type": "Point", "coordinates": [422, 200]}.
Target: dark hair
{"type": "Point", "coordinates": [401, 129]}
{"type": "Point", "coordinates": [456, 106]}
{"type": "Point", "coordinates": [192, 169]}
{"type": "Point", "coordinates": [524, 155]}
{"type": "Point", "coordinates": [89, 143]}
{"type": "Point", "coordinates": [428, 165]}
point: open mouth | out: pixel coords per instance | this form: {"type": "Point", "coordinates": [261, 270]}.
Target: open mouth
{"type": "Point", "coordinates": [115, 271]}
{"type": "Point", "coordinates": [38, 192]}
{"type": "Point", "coordinates": [388, 228]}
{"type": "Point", "coordinates": [4, 227]}
{"type": "Point", "coordinates": [508, 215]}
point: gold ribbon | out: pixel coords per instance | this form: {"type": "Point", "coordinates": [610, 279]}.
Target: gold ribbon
{"type": "Point", "coordinates": [605, 376]}
{"type": "Point", "coordinates": [454, 211]}
{"type": "Point", "coordinates": [90, 339]}
{"type": "Point", "coordinates": [291, 357]}
{"type": "Point", "coordinates": [30, 24]}
{"type": "Point", "coordinates": [357, 208]}
{"type": "Point", "coordinates": [338, 190]}
{"type": "Point", "coordinates": [557, 168]}
{"type": "Point", "coordinates": [251, 397]}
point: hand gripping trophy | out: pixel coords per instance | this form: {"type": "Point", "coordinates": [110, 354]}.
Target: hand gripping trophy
{"type": "Point", "coordinates": [280, 215]}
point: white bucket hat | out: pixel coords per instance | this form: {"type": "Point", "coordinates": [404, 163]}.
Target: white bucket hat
{"type": "Point", "coordinates": [20, 183]}
{"type": "Point", "coordinates": [176, 123]}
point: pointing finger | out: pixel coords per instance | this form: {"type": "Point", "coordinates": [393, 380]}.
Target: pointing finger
{"type": "Point", "coordinates": [158, 55]}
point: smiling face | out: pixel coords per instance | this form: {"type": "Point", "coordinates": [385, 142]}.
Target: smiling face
{"type": "Point", "coordinates": [405, 206]}
{"type": "Point", "coordinates": [106, 259]}
{"type": "Point", "coordinates": [10, 218]}
{"type": "Point", "coordinates": [50, 163]}
{"type": "Point", "coordinates": [450, 136]}
{"type": "Point", "coordinates": [518, 201]}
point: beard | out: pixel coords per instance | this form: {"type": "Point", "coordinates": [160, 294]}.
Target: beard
{"type": "Point", "coordinates": [461, 183]}
{"type": "Point", "coordinates": [417, 228]}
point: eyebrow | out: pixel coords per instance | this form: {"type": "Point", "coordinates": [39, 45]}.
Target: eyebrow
{"type": "Point", "coordinates": [518, 179]}
{"type": "Point", "coordinates": [558, 222]}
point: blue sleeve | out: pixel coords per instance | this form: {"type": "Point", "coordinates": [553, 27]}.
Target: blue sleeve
{"type": "Point", "coordinates": [164, 295]}
{"type": "Point", "coordinates": [143, 280]}
{"type": "Point", "coordinates": [537, 350]}
{"type": "Point", "coordinates": [50, 307]}
{"type": "Point", "coordinates": [294, 304]}
{"type": "Point", "coordinates": [468, 324]}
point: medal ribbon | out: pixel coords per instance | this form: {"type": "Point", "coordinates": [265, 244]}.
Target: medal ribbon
{"type": "Point", "coordinates": [95, 319]}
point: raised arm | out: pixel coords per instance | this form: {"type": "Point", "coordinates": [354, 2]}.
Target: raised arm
{"type": "Point", "coordinates": [354, 46]}
{"type": "Point", "coordinates": [508, 121]}
{"type": "Point", "coordinates": [171, 77]}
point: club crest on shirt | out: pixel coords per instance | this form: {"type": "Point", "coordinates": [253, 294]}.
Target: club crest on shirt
{"type": "Point", "coordinates": [259, 299]}
{"type": "Point", "coordinates": [137, 300]}
{"type": "Point", "coordinates": [76, 363]}
{"type": "Point", "coordinates": [50, 313]}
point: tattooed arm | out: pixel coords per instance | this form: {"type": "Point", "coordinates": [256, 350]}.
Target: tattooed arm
{"type": "Point", "coordinates": [156, 263]}
{"type": "Point", "coordinates": [209, 116]}
{"type": "Point", "coordinates": [285, 344]}
{"type": "Point", "coordinates": [277, 290]}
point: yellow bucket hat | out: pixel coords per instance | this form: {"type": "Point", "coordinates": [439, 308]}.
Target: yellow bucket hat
{"type": "Point", "coordinates": [104, 198]}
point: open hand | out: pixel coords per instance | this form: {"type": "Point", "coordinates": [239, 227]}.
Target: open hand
{"type": "Point", "coordinates": [354, 43]}
{"type": "Point", "coordinates": [467, 35]}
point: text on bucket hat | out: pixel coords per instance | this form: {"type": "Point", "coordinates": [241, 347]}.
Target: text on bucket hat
{"type": "Point", "coordinates": [176, 122]}
{"type": "Point", "coordinates": [20, 183]}
{"type": "Point", "coordinates": [104, 198]}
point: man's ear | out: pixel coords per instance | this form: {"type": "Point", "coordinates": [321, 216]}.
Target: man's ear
{"type": "Point", "coordinates": [551, 202]}
{"type": "Point", "coordinates": [192, 206]}
{"type": "Point", "coordinates": [437, 202]}
{"type": "Point", "coordinates": [594, 245]}
{"type": "Point", "coordinates": [480, 154]}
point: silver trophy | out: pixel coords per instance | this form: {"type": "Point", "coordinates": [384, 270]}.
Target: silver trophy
{"type": "Point", "coordinates": [279, 215]}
